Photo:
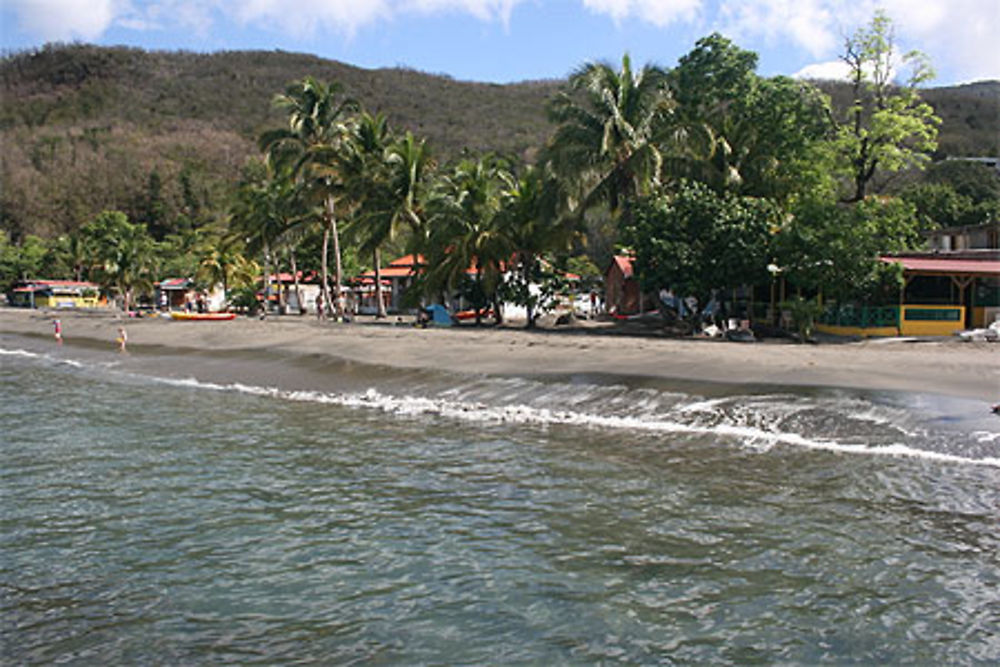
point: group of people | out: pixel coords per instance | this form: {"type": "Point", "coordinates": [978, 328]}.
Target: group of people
{"type": "Point", "coordinates": [340, 308]}
{"type": "Point", "coordinates": [121, 340]}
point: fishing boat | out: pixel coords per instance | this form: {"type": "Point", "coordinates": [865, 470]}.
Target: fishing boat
{"type": "Point", "coordinates": [194, 317]}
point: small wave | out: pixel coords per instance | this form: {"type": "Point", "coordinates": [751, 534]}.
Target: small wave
{"type": "Point", "coordinates": [520, 414]}
{"type": "Point", "coordinates": [27, 354]}
{"type": "Point", "coordinates": [19, 353]}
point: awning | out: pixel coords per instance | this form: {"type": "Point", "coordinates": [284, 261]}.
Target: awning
{"type": "Point", "coordinates": [945, 266]}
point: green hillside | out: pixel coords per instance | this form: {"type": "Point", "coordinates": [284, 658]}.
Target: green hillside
{"type": "Point", "coordinates": [86, 128]}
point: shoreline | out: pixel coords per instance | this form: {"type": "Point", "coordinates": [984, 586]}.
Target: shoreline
{"type": "Point", "coordinates": [937, 366]}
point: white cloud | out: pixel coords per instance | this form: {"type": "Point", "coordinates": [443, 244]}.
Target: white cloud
{"type": "Point", "coordinates": [834, 70]}
{"type": "Point", "coordinates": [961, 34]}
{"type": "Point", "coordinates": [660, 13]}
{"type": "Point", "coordinates": [304, 18]}
{"type": "Point", "coordinates": [65, 20]}
{"type": "Point", "coordinates": [807, 24]}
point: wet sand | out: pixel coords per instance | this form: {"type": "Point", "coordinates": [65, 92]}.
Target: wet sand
{"type": "Point", "coordinates": [939, 366]}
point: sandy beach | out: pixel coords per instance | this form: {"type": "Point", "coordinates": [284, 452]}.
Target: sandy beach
{"type": "Point", "coordinates": [941, 366]}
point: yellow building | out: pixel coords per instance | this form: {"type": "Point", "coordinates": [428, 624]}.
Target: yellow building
{"type": "Point", "coordinates": [55, 294]}
{"type": "Point", "coordinates": [944, 293]}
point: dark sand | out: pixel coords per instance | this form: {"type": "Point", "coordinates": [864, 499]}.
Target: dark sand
{"type": "Point", "coordinates": [939, 366]}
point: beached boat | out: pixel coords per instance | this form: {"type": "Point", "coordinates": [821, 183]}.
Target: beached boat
{"type": "Point", "coordinates": [180, 315]}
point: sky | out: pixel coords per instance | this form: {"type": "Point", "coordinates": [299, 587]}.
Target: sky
{"type": "Point", "coordinates": [515, 40]}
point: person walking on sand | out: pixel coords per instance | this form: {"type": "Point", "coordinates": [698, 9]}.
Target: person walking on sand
{"type": "Point", "coordinates": [58, 330]}
{"type": "Point", "coordinates": [122, 339]}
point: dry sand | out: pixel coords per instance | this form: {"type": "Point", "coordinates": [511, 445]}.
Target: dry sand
{"type": "Point", "coordinates": [941, 366]}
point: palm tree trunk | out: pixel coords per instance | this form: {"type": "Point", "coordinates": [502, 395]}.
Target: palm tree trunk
{"type": "Point", "coordinates": [527, 269]}
{"type": "Point", "coordinates": [481, 294]}
{"type": "Point", "coordinates": [295, 277]}
{"type": "Point", "coordinates": [324, 287]}
{"type": "Point", "coordinates": [338, 269]}
{"type": "Point", "coordinates": [267, 277]}
{"type": "Point", "coordinates": [380, 307]}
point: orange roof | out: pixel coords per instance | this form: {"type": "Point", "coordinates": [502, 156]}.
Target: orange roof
{"type": "Point", "coordinates": [391, 272]}
{"type": "Point", "coordinates": [947, 265]}
{"type": "Point", "coordinates": [624, 264]}
{"type": "Point", "coordinates": [408, 261]}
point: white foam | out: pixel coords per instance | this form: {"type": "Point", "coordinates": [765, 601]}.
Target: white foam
{"type": "Point", "coordinates": [750, 436]}
{"type": "Point", "coordinates": [19, 353]}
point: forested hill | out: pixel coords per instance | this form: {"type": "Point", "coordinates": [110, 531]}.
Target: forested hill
{"type": "Point", "coordinates": [85, 128]}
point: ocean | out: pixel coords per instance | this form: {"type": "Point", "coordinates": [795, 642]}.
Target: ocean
{"type": "Point", "coordinates": [172, 507]}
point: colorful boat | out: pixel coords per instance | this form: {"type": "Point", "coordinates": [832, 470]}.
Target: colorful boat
{"type": "Point", "coordinates": [194, 317]}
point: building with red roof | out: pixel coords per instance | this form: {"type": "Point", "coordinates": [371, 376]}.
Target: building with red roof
{"type": "Point", "coordinates": [55, 294]}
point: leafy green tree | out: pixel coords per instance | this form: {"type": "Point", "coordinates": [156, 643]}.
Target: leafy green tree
{"type": "Point", "coordinates": [887, 127]}
{"type": "Point", "coordinates": [71, 255]}
{"type": "Point", "coordinates": [769, 135]}
{"type": "Point", "coordinates": [127, 254]}
{"type": "Point", "coordinates": [696, 240]}
{"type": "Point", "coordinates": [834, 249]}
{"type": "Point", "coordinates": [21, 261]}
{"type": "Point", "coordinates": [937, 204]}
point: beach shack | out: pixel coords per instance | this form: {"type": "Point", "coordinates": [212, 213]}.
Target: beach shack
{"type": "Point", "coordinates": [172, 293]}
{"type": "Point", "coordinates": [55, 294]}
{"type": "Point", "coordinates": [622, 293]}
{"type": "Point", "coordinates": [943, 293]}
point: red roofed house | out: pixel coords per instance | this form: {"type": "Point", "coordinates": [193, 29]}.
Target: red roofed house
{"type": "Point", "coordinates": [400, 274]}
{"type": "Point", "coordinates": [622, 295]}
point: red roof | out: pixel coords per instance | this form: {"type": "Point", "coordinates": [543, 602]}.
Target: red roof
{"type": "Point", "coordinates": [62, 283]}
{"type": "Point", "coordinates": [390, 272]}
{"type": "Point", "coordinates": [624, 264]}
{"type": "Point", "coordinates": [949, 266]}
{"type": "Point", "coordinates": [409, 261]}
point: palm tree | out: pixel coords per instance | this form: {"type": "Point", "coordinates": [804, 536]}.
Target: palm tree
{"type": "Point", "coordinates": [465, 229]}
{"type": "Point", "coordinates": [364, 172]}
{"type": "Point", "coordinates": [385, 178]}
{"type": "Point", "coordinates": [260, 216]}
{"type": "Point", "coordinates": [533, 224]}
{"type": "Point", "coordinates": [307, 148]}
{"type": "Point", "coordinates": [221, 263]}
{"type": "Point", "coordinates": [615, 130]}
{"type": "Point", "coordinates": [606, 142]}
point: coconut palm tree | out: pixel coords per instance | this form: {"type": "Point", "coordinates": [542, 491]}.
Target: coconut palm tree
{"type": "Point", "coordinates": [261, 215]}
{"type": "Point", "coordinates": [466, 232]}
{"type": "Point", "coordinates": [614, 129]}
{"type": "Point", "coordinates": [385, 177]}
{"type": "Point", "coordinates": [533, 223]}
{"type": "Point", "coordinates": [307, 149]}
{"type": "Point", "coordinates": [364, 170]}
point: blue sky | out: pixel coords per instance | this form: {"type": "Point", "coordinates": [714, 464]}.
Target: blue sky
{"type": "Point", "coordinates": [513, 40]}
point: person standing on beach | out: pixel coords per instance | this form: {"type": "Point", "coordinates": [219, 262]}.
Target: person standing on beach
{"type": "Point", "coordinates": [122, 339]}
{"type": "Point", "coordinates": [58, 330]}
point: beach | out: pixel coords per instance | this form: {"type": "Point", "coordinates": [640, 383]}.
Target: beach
{"type": "Point", "coordinates": [940, 366]}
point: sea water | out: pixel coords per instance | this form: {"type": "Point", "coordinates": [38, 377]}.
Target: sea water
{"type": "Point", "coordinates": [169, 508]}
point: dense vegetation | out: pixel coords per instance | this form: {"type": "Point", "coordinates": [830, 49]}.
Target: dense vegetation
{"type": "Point", "coordinates": [209, 174]}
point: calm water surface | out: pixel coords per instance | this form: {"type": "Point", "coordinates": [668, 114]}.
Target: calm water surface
{"type": "Point", "coordinates": [155, 511]}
